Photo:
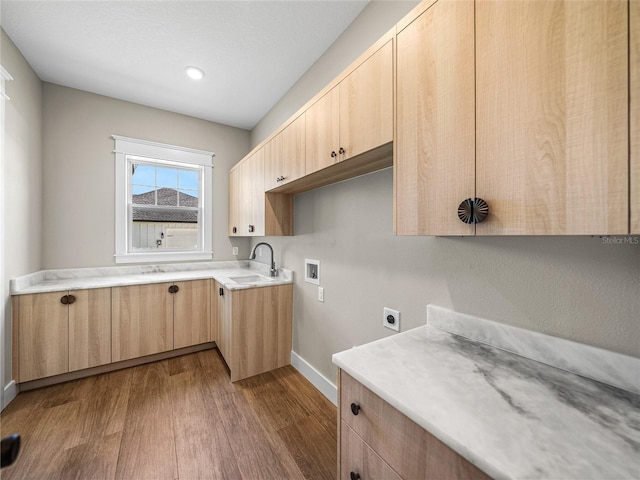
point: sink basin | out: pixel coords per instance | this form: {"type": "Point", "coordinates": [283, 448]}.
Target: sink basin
{"type": "Point", "coordinates": [251, 279]}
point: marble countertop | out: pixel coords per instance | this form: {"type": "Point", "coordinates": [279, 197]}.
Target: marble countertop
{"type": "Point", "coordinates": [84, 278]}
{"type": "Point", "coordinates": [511, 416]}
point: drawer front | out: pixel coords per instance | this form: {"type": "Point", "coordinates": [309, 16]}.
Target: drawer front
{"type": "Point", "coordinates": [409, 449]}
{"type": "Point", "coordinates": [358, 460]}
{"type": "Point", "coordinates": [392, 435]}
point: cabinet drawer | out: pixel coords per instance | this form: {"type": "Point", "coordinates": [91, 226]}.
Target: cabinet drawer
{"type": "Point", "coordinates": [359, 458]}
{"type": "Point", "coordinates": [409, 449]}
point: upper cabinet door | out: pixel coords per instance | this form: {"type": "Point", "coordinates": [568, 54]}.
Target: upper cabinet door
{"type": "Point", "coordinates": [254, 183]}
{"type": "Point", "coordinates": [552, 117]}
{"type": "Point", "coordinates": [284, 155]}
{"type": "Point", "coordinates": [246, 197]}
{"type": "Point", "coordinates": [236, 196]}
{"type": "Point", "coordinates": [366, 105]}
{"type": "Point", "coordinates": [434, 161]}
{"type": "Point", "coordinates": [634, 76]}
{"type": "Point", "coordinates": [322, 132]}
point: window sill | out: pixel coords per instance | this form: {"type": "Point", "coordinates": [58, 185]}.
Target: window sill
{"type": "Point", "coordinates": [154, 257]}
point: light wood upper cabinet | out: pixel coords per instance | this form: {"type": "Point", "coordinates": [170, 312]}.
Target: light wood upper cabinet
{"type": "Point", "coordinates": [61, 332]}
{"type": "Point", "coordinates": [323, 132]}
{"type": "Point", "coordinates": [551, 106]}
{"type": "Point", "coordinates": [434, 161]}
{"type": "Point", "coordinates": [284, 155]}
{"type": "Point", "coordinates": [246, 197]}
{"type": "Point", "coordinates": [43, 341]}
{"type": "Point", "coordinates": [366, 104]}
{"type": "Point", "coordinates": [353, 117]}
{"type": "Point", "coordinates": [634, 92]}
{"type": "Point", "coordinates": [236, 201]}
{"type": "Point", "coordinates": [90, 328]}
{"type": "Point", "coordinates": [142, 320]}
{"type": "Point", "coordinates": [252, 212]}
{"type": "Point", "coordinates": [552, 114]}
{"type": "Point", "coordinates": [191, 313]}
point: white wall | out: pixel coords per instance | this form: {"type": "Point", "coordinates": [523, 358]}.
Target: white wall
{"type": "Point", "coordinates": [573, 287]}
{"type": "Point", "coordinates": [21, 194]}
{"type": "Point", "coordinates": [78, 167]}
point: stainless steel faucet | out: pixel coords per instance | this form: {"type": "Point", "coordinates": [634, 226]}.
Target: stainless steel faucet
{"type": "Point", "coordinates": [273, 263]}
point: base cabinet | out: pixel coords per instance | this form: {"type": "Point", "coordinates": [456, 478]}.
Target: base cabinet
{"type": "Point", "coordinates": [255, 329]}
{"type": "Point", "coordinates": [142, 320]}
{"type": "Point", "coordinates": [158, 317]}
{"type": "Point", "coordinates": [60, 332]}
{"type": "Point", "coordinates": [377, 441]}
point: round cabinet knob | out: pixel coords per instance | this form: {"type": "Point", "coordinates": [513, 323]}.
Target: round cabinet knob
{"type": "Point", "coordinates": [355, 408]}
{"type": "Point", "coordinates": [334, 154]}
{"type": "Point", "coordinates": [72, 299]}
{"type": "Point", "coordinates": [64, 300]}
{"type": "Point", "coordinates": [354, 476]}
{"type": "Point", "coordinates": [341, 151]}
{"type": "Point", "coordinates": [473, 210]}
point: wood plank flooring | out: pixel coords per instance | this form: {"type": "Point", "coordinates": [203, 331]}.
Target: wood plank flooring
{"type": "Point", "coordinates": [179, 418]}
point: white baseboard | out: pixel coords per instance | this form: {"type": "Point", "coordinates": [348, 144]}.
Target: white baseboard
{"type": "Point", "coordinates": [326, 387]}
{"type": "Point", "coordinates": [10, 392]}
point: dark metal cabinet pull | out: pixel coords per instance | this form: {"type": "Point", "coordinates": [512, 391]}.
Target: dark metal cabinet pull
{"type": "Point", "coordinates": [173, 289]}
{"type": "Point", "coordinates": [235, 230]}
{"type": "Point", "coordinates": [250, 228]}
{"type": "Point", "coordinates": [221, 292]}
{"type": "Point", "coordinates": [354, 476]}
{"type": "Point", "coordinates": [72, 299]}
{"type": "Point", "coordinates": [64, 300]}
{"type": "Point", "coordinates": [355, 408]}
{"type": "Point", "coordinates": [341, 151]}
{"type": "Point", "coordinates": [334, 154]}
{"type": "Point", "coordinates": [473, 210]}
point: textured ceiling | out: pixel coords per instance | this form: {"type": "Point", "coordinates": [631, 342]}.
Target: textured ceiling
{"type": "Point", "coordinates": [252, 52]}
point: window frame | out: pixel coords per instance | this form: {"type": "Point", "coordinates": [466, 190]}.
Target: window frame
{"type": "Point", "coordinates": [159, 154]}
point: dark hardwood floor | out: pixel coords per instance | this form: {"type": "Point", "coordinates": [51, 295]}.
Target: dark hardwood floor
{"type": "Point", "coordinates": [175, 419]}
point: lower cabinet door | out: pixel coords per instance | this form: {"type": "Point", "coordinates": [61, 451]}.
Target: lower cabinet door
{"type": "Point", "coordinates": [43, 343]}
{"type": "Point", "coordinates": [224, 322]}
{"type": "Point", "coordinates": [142, 322]}
{"type": "Point", "coordinates": [89, 328]}
{"type": "Point", "coordinates": [192, 316]}
{"type": "Point", "coordinates": [359, 461]}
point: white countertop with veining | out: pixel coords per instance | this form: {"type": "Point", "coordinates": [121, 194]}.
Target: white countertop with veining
{"type": "Point", "coordinates": [85, 278]}
{"type": "Point", "coordinates": [511, 416]}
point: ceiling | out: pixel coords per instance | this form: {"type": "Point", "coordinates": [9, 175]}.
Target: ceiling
{"type": "Point", "coordinates": [252, 51]}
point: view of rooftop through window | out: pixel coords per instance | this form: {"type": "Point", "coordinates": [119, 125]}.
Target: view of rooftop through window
{"type": "Point", "coordinates": [184, 183]}
{"type": "Point", "coordinates": [165, 204]}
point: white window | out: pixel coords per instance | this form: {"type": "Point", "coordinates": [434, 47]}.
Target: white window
{"type": "Point", "coordinates": [163, 202]}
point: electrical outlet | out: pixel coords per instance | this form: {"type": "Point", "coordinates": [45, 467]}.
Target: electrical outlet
{"type": "Point", "coordinates": [320, 294]}
{"type": "Point", "coordinates": [235, 251]}
{"type": "Point", "coordinates": [391, 319]}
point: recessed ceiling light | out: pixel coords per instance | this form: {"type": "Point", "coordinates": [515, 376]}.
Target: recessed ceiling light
{"type": "Point", "coordinates": [194, 72]}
